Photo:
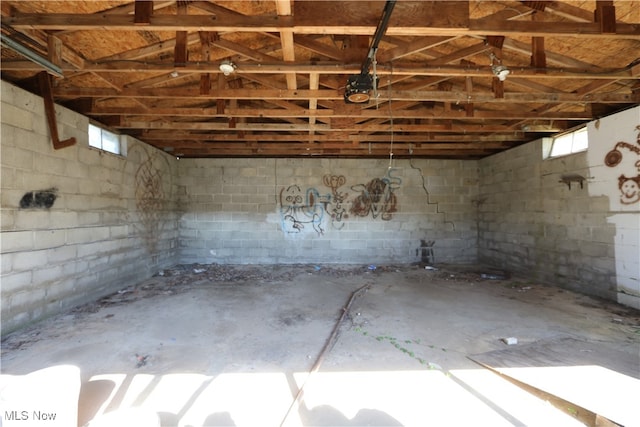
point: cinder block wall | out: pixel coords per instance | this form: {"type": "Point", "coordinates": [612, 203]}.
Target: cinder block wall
{"type": "Point", "coordinates": [326, 210]}
{"type": "Point", "coordinates": [106, 227]}
{"type": "Point", "coordinates": [534, 224]}
{"type": "Point", "coordinates": [116, 220]}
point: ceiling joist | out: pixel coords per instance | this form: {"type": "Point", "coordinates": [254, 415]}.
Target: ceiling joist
{"type": "Point", "coordinates": [151, 69]}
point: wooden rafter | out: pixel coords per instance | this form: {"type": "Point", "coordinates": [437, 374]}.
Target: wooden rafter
{"type": "Point", "coordinates": [150, 69]}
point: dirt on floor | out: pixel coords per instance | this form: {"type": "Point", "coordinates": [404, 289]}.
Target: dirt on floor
{"type": "Point", "coordinates": [233, 320]}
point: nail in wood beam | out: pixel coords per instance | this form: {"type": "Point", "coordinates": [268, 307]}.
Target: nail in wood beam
{"type": "Point", "coordinates": [49, 110]}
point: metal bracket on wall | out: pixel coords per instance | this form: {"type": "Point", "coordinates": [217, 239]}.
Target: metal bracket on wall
{"type": "Point", "coordinates": [572, 177]}
{"type": "Point", "coordinates": [49, 109]}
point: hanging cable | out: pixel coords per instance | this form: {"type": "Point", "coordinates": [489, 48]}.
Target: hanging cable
{"type": "Point", "coordinates": [390, 121]}
{"type": "Point", "coordinates": [375, 78]}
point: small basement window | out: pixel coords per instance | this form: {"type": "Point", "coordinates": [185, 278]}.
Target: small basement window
{"type": "Point", "coordinates": [104, 140]}
{"type": "Point", "coordinates": [570, 142]}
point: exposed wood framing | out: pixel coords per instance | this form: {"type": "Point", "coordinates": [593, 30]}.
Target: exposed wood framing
{"type": "Point", "coordinates": [150, 69]}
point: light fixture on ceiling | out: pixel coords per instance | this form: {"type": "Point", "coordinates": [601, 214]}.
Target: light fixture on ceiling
{"type": "Point", "coordinates": [32, 56]}
{"type": "Point", "coordinates": [359, 85]}
{"type": "Point", "coordinates": [227, 67]}
{"type": "Point", "coordinates": [499, 70]}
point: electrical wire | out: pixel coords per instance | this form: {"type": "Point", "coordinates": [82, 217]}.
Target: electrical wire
{"type": "Point", "coordinates": [390, 120]}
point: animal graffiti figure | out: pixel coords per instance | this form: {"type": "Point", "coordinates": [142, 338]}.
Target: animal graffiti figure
{"type": "Point", "coordinates": [629, 189]}
{"type": "Point", "coordinates": [376, 198]}
{"type": "Point", "coordinates": [299, 209]}
{"type": "Point", "coordinates": [335, 206]}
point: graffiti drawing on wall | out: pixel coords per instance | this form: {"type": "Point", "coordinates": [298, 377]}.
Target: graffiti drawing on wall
{"type": "Point", "coordinates": [152, 187]}
{"type": "Point", "coordinates": [335, 205]}
{"type": "Point", "coordinates": [43, 199]}
{"type": "Point", "coordinates": [300, 209]}
{"type": "Point", "coordinates": [630, 189]}
{"type": "Point", "coordinates": [425, 251]}
{"type": "Point", "coordinates": [305, 210]}
{"type": "Point", "coordinates": [377, 197]}
{"type": "Point", "coordinates": [629, 186]}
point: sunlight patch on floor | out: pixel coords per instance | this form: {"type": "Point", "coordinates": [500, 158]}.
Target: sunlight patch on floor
{"type": "Point", "coordinates": [526, 408]}
{"type": "Point", "coordinates": [410, 398]}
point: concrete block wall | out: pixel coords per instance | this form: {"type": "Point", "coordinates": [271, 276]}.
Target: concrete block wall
{"type": "Point", "coordinates": [532, 223]}
{"type": "Point", "coordinates": [116, 220]}
{"type": "Point", "coordinates": [97, 235]}
{"type": "Point", "coordinates": [291, 211]}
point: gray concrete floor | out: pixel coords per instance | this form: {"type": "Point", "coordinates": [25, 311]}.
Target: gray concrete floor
{"type": "Point", "coordinates": [233, 345]}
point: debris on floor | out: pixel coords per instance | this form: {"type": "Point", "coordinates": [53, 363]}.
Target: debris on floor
{"type": "Point", "coordinates": [141, 360]}
{"type": "Point", "coordinates": [494, 276]}
{"type": "Point", "coordinates": [510, 341]}
{"type": "Point", "coordinates": [217, 342]}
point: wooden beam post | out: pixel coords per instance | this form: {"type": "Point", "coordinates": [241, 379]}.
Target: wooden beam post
{"type": "Point", "coordinates": [221, 103]}
{"type": "Point", "coordinates": [605, 15]}
{"type": "Point", "coordinates": [54, 50]}
{"type": "Point", "coordinates": [538, 55]}
{"type": "Point", "coordinates": [50, 112]}
{"type": "Point", "coordinates": [143, 10]}
{"type": "Point", "coordinates": [206, 40]}
{"type": "Point", "coordinates": [181, 51]}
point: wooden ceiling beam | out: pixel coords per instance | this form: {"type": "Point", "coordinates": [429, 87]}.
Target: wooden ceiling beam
{"type": "Point", "coordinates": [461, 54]}
{"type": "Point", "coordinates": [568, 11]}
{"type": "Point", "coordinates": [401, 69]}
{"type": "Point", "coordinates": [334, 150]}
{"type": "Point", "coordinates": [605, 16]}
{"type": "Point", "coordinates": [428, 145]}
{"type": "Point", "coordinates": [283, 8]}
{"type": "Point", "coordinates": [418, 45]}
{"type": "Point", "coordinates": [416, 113]}
{"type": "Point", "coordinates": [143, 11]}
{"type": "Point", "coordinates": [306, 42]}
{"type": "Point", "coordinates": [157, 136]}
{"type": "Point", "coordinates": [126, 123]}
{"type": "Point", "coordinates": [312, 25]}
{"type": "Point", "coordinates": [266, 94]}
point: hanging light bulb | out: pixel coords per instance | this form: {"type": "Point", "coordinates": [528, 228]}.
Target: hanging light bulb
{"type": "Point", "coordinates": [227, 67]}
{"type": "Point", "coordinates": [499, 70]}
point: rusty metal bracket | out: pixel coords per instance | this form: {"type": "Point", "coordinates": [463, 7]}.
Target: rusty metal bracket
{"type": "Point", "coordinates": [49, 109]}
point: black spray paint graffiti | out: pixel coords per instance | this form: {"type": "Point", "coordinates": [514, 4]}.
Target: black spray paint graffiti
{"type": "Point", "coordinates": [299, 209]}
{"type": "Point", "coordinates": [42, 199]}
{"type": "Point", "coordinates": [377, 197]}
{"type": "Point", "coordinates": [629, 186]}
{"type": "Point", "coordinates": [335, 205]}
{"type": "Point", "coordinates": [425, 251]}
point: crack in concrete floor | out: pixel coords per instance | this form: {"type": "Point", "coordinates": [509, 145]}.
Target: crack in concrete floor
{"type": "Point", "coordinates": [232, 345]}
